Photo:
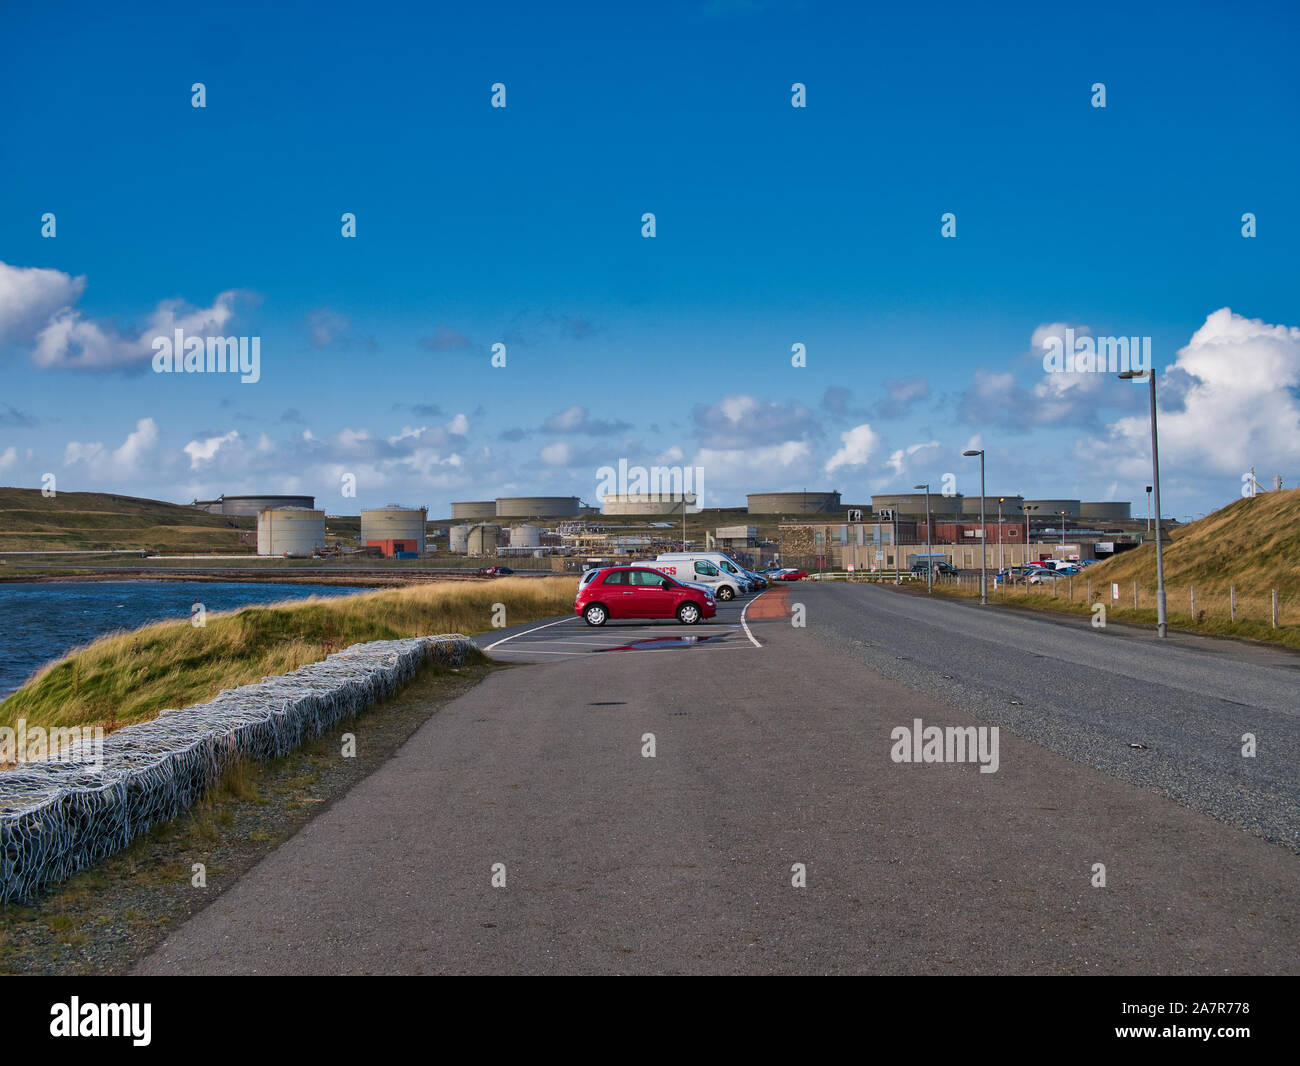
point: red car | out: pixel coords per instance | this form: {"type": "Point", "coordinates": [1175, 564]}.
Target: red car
{"type": "Point", "coordinates": [633, 592]}
{"type": "Point", "coordinates": [792, 575]}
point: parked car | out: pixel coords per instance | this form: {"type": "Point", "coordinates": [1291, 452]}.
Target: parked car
{"type": "Point", "coordinates": [1044, 576]}
{"type": "Point", "coordinates": [725, 563]}
{"type": "Point", "coordinates": [792, 575]}
{"type": "Point", "coordinates": [941, 566]}
{"type": "Point", "coordinates": [620, 592]}
{"type": "Point", "coordinates": [493, 571]}
{"type": "Point", "coordinates": [686, 567]}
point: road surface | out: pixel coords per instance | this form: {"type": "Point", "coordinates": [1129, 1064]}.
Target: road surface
{"type": "Point", "coordinates": [772, 752]}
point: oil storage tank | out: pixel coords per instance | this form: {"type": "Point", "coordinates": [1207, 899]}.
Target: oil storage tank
{"type": "Point", "coordinates": [250, 506]}
{"type": "Point", "coordinates": [290, 531]}
{"type": "Point", "coordinates": [458, 538]}
{"type": "Point", "coordinates": [474, 509]}
{"type": "Point", "coordinates": [1106, 510]}
{"type": "Point", "coordinates": [537, 506]}
{"type": "Point", "coordinates": [525, 536]}
{"type": "Point", "coordinates": [484, 539]}
{"type": "Point", "coordinates": [793, 502]}
{"type": "Point", "coordinates": [404, 526]}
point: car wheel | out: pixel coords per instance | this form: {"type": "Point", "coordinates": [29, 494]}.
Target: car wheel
{"type": "Point", "coordinates": [595, 614]}
{"type": "Point", "coordinates": [726, 592]}
{"type": "Point", "coordinates": [688, 614]}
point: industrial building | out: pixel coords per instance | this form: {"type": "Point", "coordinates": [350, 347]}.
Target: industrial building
{"type": "Point", "coordinates": [645, 503]}
{"type": "Point", "coordinates": [252, 506]}
{"type": "Point", "coordinates": [483, 539]}
{"type": "Point", "coordinates": [474, 509]}
{"type": "Point", "coordinates": [398, 532]}
{"type": "Point", "coordinates": [290, 531]}
{"type": "Point", "coordinates": [793, 502]}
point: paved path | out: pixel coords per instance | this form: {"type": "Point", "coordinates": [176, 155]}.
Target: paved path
{"type": "Point", "coordinates": [766, 756]}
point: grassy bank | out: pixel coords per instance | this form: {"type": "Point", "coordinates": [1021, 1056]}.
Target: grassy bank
{"type": "Point", "coordinates": [130, 676]}
{"type": "Point", "coordinates": [1214, 614]}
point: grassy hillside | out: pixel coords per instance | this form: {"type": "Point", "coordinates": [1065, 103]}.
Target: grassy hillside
{"type": "Point", "coordinates": [101, 521]}
{"type": "Point", "coordinates": [1253, 544]}
{"type": "Point", "coordinates": [130, 676]}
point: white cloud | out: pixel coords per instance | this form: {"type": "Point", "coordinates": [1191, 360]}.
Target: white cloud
{"type": "Point", "coordinates": [30, 296]}
{"type": "Point", "coordinates": [1238, 379]}
{"type": "Point", "coordinates": [859, 444]}
{"type": "Point", "coordinates": [458, 425]}
{"type": "Point", "coordinates": [122, 462]}
{"type": "Point", "coordinates": [203, 451]}
{"type": "Point", "coordinates": [556, 454]}
{"type": "Point", "coordinates": [8, 458]}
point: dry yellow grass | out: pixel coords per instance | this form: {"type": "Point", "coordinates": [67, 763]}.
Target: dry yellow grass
{"type": "Point", "coordinates": [131, 676]}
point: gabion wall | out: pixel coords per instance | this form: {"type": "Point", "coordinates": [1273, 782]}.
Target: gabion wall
{"type": "Point", "coordinates": [59, 818]}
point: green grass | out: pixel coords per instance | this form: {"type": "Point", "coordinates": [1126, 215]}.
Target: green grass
{"type": "Point", "coordinates": [130, 676]}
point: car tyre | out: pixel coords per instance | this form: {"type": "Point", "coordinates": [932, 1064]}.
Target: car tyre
{"type": "Point", "coordinates": [595, 614]}
{"type": "Point", "coordinates": [689, 614]}
{"type": "Point", "coordinates": [726, 592]}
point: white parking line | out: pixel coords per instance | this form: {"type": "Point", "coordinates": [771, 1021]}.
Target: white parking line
{"type": "Point", "coordinates": [745, 624]}
{"type": "Point", "coordinates": [527, 631]}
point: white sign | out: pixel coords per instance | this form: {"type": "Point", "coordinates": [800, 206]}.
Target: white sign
{"type": "Point", "coordinates": [1105, 546]}
{"type": "Point", "coordinates": [850, 568]}
{"type": "Point", "coordinates": [1114, 591]}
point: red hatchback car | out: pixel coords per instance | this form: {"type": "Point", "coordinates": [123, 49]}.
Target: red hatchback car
{"type": "Point", "coordinates": [631, 592]}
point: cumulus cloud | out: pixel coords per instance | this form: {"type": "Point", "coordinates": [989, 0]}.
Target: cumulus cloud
{"type": "Point", "coordinates": [1238, 403]}
{"type": "Point", "coordinates": [203, 451]}
{"type": "Point", "coordinates": [740, 421]}
{"type": "Point", "coordinates": [557, 453]}
{"type": "Point", "coordinates": [859, 445]}
{"type": "Point", "coordinates": [122, 462]}
{"type": "Point", "coordinates": [30, 297]}
{"type": "Point", "coordinates": [9, 458]}
{"type": "Point", "coordinates": [576, 419]}
{"type": "Point", "coordinates": [901, 395]}
{"type": "Point", "coordinates": [912, 457]}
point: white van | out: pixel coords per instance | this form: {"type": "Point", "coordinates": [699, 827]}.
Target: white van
{"type": "Point", "coordinates": [729, 573]}
{"type": "Point", "coordinates": [694, 570]}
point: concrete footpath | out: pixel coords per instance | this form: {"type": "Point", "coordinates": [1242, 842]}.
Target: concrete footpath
{"type": "Point", "coordinates": [765, 757]}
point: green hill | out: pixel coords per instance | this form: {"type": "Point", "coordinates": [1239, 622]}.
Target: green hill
{"type": "Point", "coordinates": [1253, 544]}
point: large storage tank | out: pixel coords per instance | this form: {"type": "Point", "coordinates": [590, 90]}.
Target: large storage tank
{"type": "Point", "coordinates": [484, 539]}
{"type": "Point", "coordinates": [526, 536]}
{"type": "Point", "coordinates": [290, 531]}
{"type": "Point", "coordinates": [1106, 512]}
{"type": "Point", "coordinates": [648, 504]}
{"type": "Point", "coordinates": [474, 509]}
{"type": "Point", "coordinates": [794, 502]}
{"type": "Point", "coordinates": [537, 506]}
{"type": "Point", "coordinates": [394, 522]}
{"type": "Point", "coordinates": [254, 505]}
{"type": "Point", "coordinates": [912, 504]}
{"type": "Point", "coordinates": [459, 538]}
{"type": "Point", "coordinates": [1011, 505]}
{"type": "Point", "coordinates": [1052, 508]}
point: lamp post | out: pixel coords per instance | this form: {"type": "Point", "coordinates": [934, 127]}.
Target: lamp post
{"type": "Point", "coordinates": [1162, 627]}
{"type": "Point", "coordinates": [1001, 501]}
{"type": "Point", "coordinates": [1062, 514]}
{"type": "Point", "coordinates": [929, 561]}
{"type": "Point", "coordinates": [984, 547]}
{"type": "Point", "coordinates": [1148, 508]}
{"type": "Point", "coordinates": [1028, 507]}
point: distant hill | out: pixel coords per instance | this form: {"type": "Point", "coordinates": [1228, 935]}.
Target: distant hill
{"type": "Point", "coordinates": [99, 520]}
{"type": "Point", "coordinates": [1253, 544]}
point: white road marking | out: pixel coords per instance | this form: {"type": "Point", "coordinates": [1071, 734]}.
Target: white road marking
{"type": "Point", "coordinates": [744, 624]}
{"type": "Point", "coordinates": [527, 631]}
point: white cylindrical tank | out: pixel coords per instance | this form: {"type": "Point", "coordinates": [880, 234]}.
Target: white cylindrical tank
{"type": "Point", "coordinates": [483, 539]}
{"type": "Point", "coordinates": [525, 536]}
{"type": "Point", "coordinates": [459, 538]}
{"type": "Point", "coordinates": [395, 523]}
{"type": "Point", "coordinates": [290, 531]}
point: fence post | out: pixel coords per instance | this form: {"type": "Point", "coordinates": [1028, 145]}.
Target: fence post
{"type": "Point", "coordinates": [1089, 592]}
{"type": "Point", "coordinates": [1193, 605]}
{"type": "Point", "coordinates": [1275, 608]}
{"type": "Point", "coordinates": [1135, 595]}
{"type": "Point", "coordinates": [1232, 602]}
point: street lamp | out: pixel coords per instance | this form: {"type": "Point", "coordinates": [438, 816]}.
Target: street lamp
{"type": "Point", "coordinates": [1001, 501]}
{"type": "Point", "coordinates": [1148, 508]}
{"type": "Point", "coordinates": [984, 547]}
{"type": "Point", "coordinates": [929, 560]}
{"type": "Point", "coordinates": [1162, 627]}
{"type": "Point", "coordinates": [1062, 514]}
{"type": "Point", "coordinates": [1028, 507]}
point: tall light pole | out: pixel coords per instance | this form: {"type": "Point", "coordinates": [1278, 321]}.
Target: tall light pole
{"type": "Point", "coordinates": [1001, 501]}
{"type": "Point", "coordinates": [984, 546]}
{"type": "Point", "coordinates": [1162, 626]}
{"type": "Point", "coordinates": [1148, 508]}
{"type": "Point", "coordinates": [929, 560]}
{"type": "Point", "coordinates": [1028, 507]}
{"type": "Point", "coordinates": [1062, 514]}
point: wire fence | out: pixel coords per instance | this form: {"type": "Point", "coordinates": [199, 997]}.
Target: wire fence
{"type": "Point", "coordinates": [57, 818]}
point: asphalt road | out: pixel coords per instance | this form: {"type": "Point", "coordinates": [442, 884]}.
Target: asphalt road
{"type": "Point", "coordinates": [772, 748]}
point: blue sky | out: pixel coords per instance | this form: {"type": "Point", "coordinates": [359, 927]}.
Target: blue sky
{"type": "Point", "coordinates": [522, 225]}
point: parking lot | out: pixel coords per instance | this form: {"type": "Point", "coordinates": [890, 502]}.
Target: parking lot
{"type": "Point", "coordinates": [737, 626]}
